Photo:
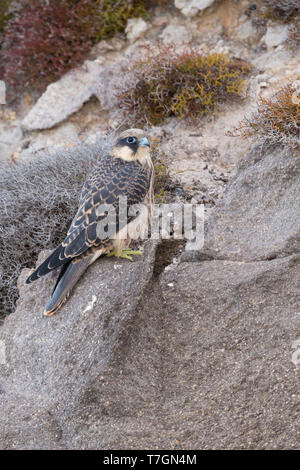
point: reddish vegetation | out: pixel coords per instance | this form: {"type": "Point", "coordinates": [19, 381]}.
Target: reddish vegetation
{"type": "Point", "coordinates": [46, 39]}
{"type": "Point", "coordinates": [276, 120]}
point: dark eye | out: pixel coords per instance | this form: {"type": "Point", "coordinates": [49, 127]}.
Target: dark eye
{"type": "Point", "coordinates": [131, 140]}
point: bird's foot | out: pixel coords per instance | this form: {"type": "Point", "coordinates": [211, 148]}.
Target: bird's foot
{"type": "Point", "coordinates": [126, 254]}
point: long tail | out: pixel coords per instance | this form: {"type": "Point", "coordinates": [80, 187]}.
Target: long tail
{"type": "Point", "coordinates": [67, 279]}
{"type": "Point", "coordinates": [53, 261]}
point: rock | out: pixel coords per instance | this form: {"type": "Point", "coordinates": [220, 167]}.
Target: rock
{"type": "Point", "coordinates": [230, 371]}
{"type": "Point", "coordinates": [192, 7]}
{"type": "Point", "coordinates": [296, 94]}
{"type": "Point", "coordinates": [263, 85]}
{"type": "Point", "coordinates": [136, 27]}
{"type": "Point", "coordinates": [10, 136]}
{"type": "Point", "coordinates": [156, 354]}
{"type": "Point", "coordinates": [55, 369]}
{"type": "Point", "coordinates": [64, 97]}
{"type": "Point", "coordinates": [276, 34]}
{"type": "Point", "coordinates": [65, 135]}
{"type": "Point", "coordinates": [175, 34]}
{"type": "Point", "coordinates": [116, 369]}
{"type": "Point", "coordinates": [246, 31]}
{"type": "Point", "coordinates": [198, 160]}
{"type": "Point", "coordinates": [105, 46]}
{"type": "Point", "coordinates": [259, 215]}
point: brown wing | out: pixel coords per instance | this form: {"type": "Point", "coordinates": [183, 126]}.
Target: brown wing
{"type": "Point", "coordinates": [111, 178]}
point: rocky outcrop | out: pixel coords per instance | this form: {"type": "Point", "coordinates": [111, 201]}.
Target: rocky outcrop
{"type": "Point", "coordinates": [55, 369]}
{"type": "Point", "coordinates": [64, 97]}
{"type": "Point", "coordinates": [276, 34]}
{"type": "Point", "coordinates": [259, 216]}
{"type": "Point", "coordinates": [155, 354]}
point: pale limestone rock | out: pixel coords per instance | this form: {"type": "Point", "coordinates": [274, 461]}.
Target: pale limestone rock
{"type": "Point", "coordinates": [136, 27]}
{"type": "Point", "coordinates": [176, 34]}
{"type": "Point", "coordinates": [276, 34]}
{"type": "Point", "coordinates": [192, 7]}
{"type": "Point", "coordinates": [64, 97]}
{"type": "Point", "coordinates": [246, 31]}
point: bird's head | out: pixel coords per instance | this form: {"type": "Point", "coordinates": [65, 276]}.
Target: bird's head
{"type": "Point", "coordinates": [133, 145]}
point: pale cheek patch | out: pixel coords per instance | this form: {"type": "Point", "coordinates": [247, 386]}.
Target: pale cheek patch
{"type": "Point", "coordinates": [123, 152]}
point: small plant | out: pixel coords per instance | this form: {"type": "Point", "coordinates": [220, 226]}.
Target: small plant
{"type": "Point", "coordinates": [276, 120]}
{"type": "Point", "coordinates": [45, 39]}
{"type": "Point", "coordinates": [163, 184]}
{"type": "Point", "coordinates": [4, 13]}
{"type": "Point", "coordinates": [187, 84]}
{"type": "Point", "coordinates": [282, 10]}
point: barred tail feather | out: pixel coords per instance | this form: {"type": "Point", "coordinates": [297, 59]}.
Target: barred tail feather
{"type": "Point", "coordinates": [53, 261]}
{"type": "Point", "coordinates": [66, 281]}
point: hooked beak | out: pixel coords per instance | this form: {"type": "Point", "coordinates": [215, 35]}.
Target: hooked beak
{"type": "Point", "coordinates": [144, 142]}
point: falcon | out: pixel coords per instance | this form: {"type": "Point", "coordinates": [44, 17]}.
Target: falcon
{"type": "Point", "coordinates": [123, 174]}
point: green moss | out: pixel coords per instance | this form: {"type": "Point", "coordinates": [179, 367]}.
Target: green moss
{"type": "Point", "coordinates": [112, 16]}
{"type": "Point", "coordinates": [4, 15]}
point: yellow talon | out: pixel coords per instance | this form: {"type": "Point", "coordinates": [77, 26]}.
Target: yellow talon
{"type": "Point", "coordinates": [126, 254]}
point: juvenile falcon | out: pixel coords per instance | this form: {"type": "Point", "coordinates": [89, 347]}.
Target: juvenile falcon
{"type": "Point", "coordinates": [125, 172]}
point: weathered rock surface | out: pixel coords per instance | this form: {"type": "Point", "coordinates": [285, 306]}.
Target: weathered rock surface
{"type": "Point", "coordinates": [55, 369]}
{"type": "Point", "coordinates": [259, 215]}
{"type": "Point", "coordinates": [192, 7]}
{"type": "Point", "coordinates": [64, 97]}
{"type": "Point", "coordinates": [276, 34]}
{"type": "Point", "coordinates": [10, 136]}
{"type": "Point", "coordinates": [175, 34]}
{"type": "Point", "coordinates": [201, 357]}
{"type": "Point", "coordinates": [136, 27]}
{"type": "Point", "coordinates": [152, 354]}
{"type": "Point", "coordinates": [247, 31]}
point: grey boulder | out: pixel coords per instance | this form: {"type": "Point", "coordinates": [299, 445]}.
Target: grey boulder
{"type": "Point", "coordinates": [156, 354]}
{"type": "Point", "coordinates": [259, 215]}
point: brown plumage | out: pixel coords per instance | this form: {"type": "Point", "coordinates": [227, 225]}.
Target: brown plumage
{"type": "Point", "coordinates": [126, 171]}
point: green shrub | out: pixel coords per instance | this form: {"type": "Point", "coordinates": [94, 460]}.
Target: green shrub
{"type": "Point", "coordinates": [4, 13]}
{"type": "Point", "coordinates": [188, 84]}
